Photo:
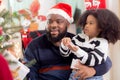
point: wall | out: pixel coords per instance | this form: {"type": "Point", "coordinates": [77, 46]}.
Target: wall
{"type": "Point", "coordinates": [115, 56]}
{"type": "Point", "coordinates": [114, 73]}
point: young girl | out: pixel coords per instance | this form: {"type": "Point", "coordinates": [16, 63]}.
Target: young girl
{"type": "Point", "coordinates": [100, 27]}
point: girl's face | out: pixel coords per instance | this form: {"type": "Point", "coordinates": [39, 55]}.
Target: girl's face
{"type": "Point", "coordinates": [91, 27]}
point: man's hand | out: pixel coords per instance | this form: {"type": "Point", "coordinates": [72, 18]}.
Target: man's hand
{"type": "Point", "coordinates": [84, 71]}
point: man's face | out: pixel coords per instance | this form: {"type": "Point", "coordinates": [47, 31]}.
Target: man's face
{"type": "Point", "coordinates": [57, 27]}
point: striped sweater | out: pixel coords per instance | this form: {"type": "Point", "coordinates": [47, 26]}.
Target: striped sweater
{"type": "Point", "coordinates": [91, 52]}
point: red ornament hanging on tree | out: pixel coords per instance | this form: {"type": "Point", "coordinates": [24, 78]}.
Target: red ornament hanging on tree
{"type": "Point", "coordinates": [0, 2]}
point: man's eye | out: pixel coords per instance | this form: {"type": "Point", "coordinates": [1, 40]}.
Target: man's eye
{"type": "Point", "coordinates": [60, 21]}
{"type": "Point", "coordinates": [49, 21]}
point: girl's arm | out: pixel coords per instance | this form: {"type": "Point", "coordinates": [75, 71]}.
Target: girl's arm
{"type": "Point", "coordinates": [64, 50]}
{"type": "Point", "coordinates": [92, 56]}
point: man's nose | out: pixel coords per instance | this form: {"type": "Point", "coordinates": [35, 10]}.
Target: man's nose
{"type": "Point", "coordinates": [54, 24]}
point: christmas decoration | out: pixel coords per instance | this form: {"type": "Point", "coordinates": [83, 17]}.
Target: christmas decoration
{"type": "Point", "coordinates": [0, 2]}
{"type": "Point", "coordinates": [9, 24]}
{"type": "Point", "coordinates": [31, 21]}
{"type": "Point", "coordinates": [10, 47]}
{"type": "Point", "coordinates": [34, 7]}
{"type": "Point", "coordinates": [25, 32]}
{"type": "Point", "coordinates": [94, 4]}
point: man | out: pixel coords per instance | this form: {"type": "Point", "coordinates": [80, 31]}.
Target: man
{"type": "Point", "coordinates": [50, 65]}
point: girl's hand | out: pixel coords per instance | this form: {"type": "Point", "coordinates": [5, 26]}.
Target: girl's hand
{"type": "Point", "coordinates": [72, 47]}
{"type": "Point", "coordinates": [66, 41]}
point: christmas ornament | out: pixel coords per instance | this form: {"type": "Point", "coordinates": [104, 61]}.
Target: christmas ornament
{"type": "Point", "coordinates": [34, 7]}
{"type": "Point", "coordinates": [25, 32]}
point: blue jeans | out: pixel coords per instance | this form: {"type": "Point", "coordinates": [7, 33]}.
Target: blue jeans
{"type": "Point", "coordinates": [91, 78]}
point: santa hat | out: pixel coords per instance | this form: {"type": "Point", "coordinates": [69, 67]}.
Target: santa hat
{"type": "Point", "coordinates": [62, 9]}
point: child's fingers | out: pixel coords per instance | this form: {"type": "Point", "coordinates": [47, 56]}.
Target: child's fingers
{"type": "Point", "coordinates": [66, 41]}
{"type": "Point", "coordinates": [72, 47]}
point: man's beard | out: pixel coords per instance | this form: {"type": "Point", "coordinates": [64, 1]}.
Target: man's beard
{"type": "Point", "coordinates": [57, 38]}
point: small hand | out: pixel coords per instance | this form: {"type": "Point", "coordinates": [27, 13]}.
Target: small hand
{"type": "Point", "coordinates": [66, 41]}
{"type": "Point", "coordinates": [72, 47]}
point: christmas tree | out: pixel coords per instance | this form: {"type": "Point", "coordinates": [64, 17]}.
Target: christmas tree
{"type": "Point", "coordinates": [9, 25]}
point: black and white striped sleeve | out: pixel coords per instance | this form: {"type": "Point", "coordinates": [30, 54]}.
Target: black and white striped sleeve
{"type": "Point", "coordinates": [94, 57]}
{"type": "Point", "coordinates": [64, 51]}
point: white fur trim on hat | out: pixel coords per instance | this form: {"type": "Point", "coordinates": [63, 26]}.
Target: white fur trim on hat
{"type": "Point", "coordinates": [62, 13]}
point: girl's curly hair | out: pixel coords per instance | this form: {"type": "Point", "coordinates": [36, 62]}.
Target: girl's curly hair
{"type": "Point", "coordinates": [107, 21]}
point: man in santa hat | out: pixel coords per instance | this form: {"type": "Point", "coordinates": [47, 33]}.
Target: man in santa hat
{"type": "Point", "coordinates": [44, 50]}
